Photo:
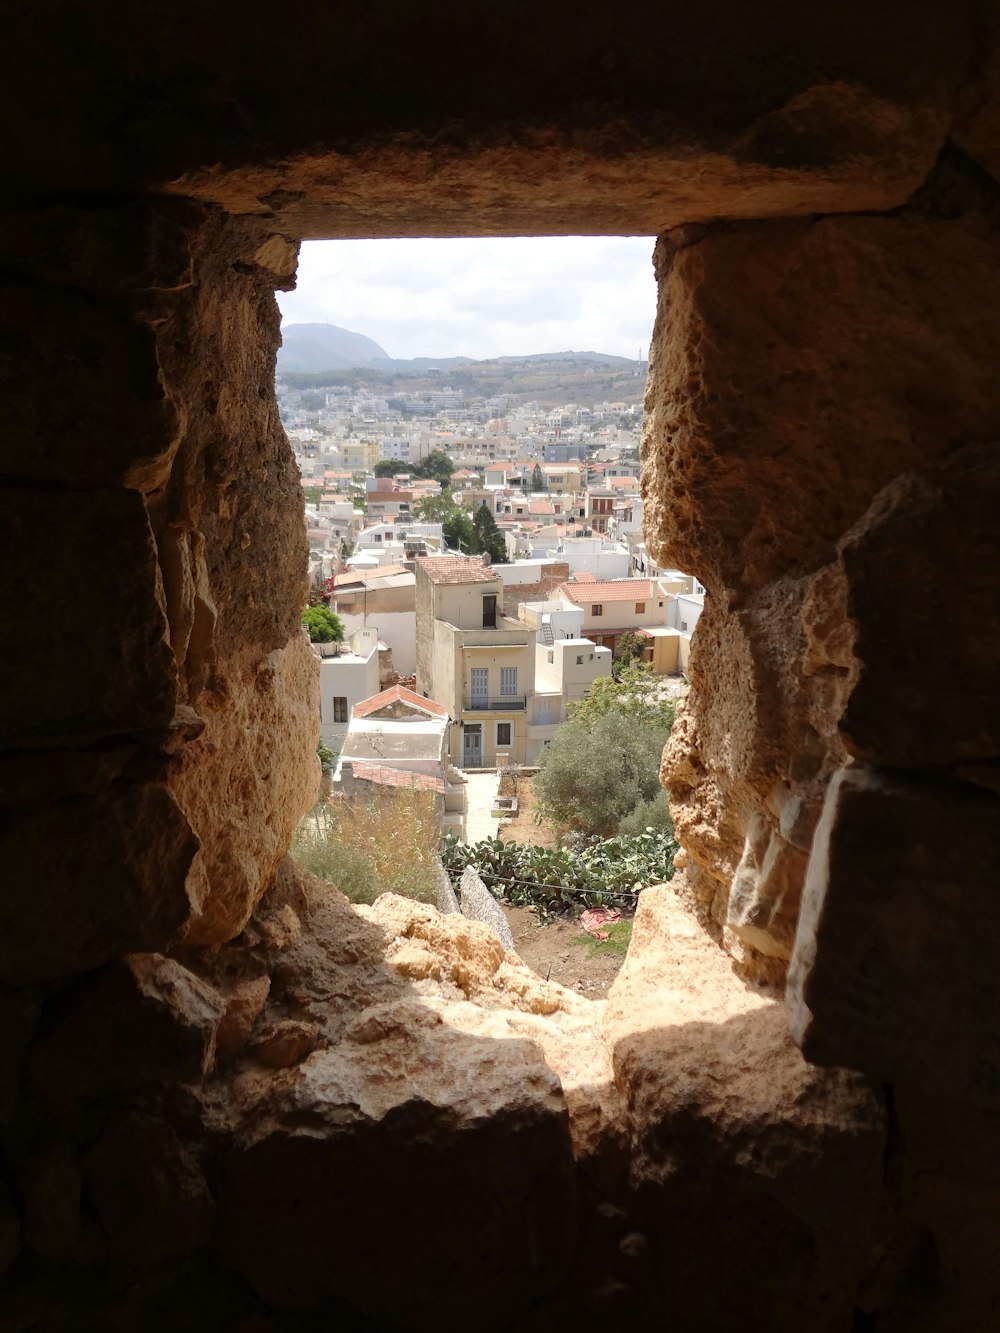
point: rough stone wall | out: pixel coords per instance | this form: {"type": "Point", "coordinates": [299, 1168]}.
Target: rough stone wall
{"type": "Point", "coordinates": [821, 450]}
{"type": "Point", "coordinates": [514, 594]}
{"type": "Point", "coordinates": [227, 1099]}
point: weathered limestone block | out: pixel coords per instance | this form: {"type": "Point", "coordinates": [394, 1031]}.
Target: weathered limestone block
{"type": "Point", "coordinates": [887, 976]}
{"type": "Point", "coordinates": [52, 1185]}
{"type": "Point", "coordinates": [766, 436]}
{"type": "Point", "coordinates": [83, 405]}
{"type": "Point", "coordinates": [246, 781]}
{"type": "Point", "coordinates": [929, 535]}
{"type": "Point", "coordinates": [766, 441]}
{"type": "Point", "coordinates": [101, 666]}
{"type": "Point", "coordinates": [86, 880]}
{"type": "Point", "coordinates": [370, 1156]}
{"type": "Point", "coordinates": [764, 896]}
{"type": "Point", "coordinates": [243, 1003]}
{"type": "Point", "coordinates": [737, 1145]}
{"type": "Point", "coordinates": [144, 1020]}
{"type": "Point", "coordinates": [149, 1192]}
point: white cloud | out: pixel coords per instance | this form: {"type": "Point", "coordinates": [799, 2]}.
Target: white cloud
{"type": "Point", "coordinates": [481, 297]}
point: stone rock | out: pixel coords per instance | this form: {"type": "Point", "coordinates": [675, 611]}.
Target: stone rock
{"type": "Point", "coordinates": [438, 1117]}
{"type": "Point", "coordinates": [145, 1019]}
{"type": "Point", "coordinates": [149, 1192]}
{"type": "Point", "coordinates": [899, 714]}
{"type": "Point", "coordinates": [737, 1145]}
{"type": "Point", "coordinates": [10, 1229]}
{"type": "Point", "coordinates": [246, 781]}
{"type": "Point", "coordinates": [764, 895]}
{"type": "Point", "coordinates": [243, 1004]}
{"type": "Point", "coordinates": [885, 976]}
{"type": "Point", "coordinates": [52, 1185]}
{"type": "Point", "coordinates": [19, 1010]}
{"type": "Point", "coordinates": [111, 621]}
{"type": "Point", "coordinates": [283, 1044]}
{"type": "Point", "coordinates": [478, 904]}
{"type": "Point", "coordinates": [87, 879]}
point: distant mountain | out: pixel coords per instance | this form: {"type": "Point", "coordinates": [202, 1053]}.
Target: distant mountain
{"type": "Point", "coordinates": [312, 349]}
{"type": "Point", "coordinates": [309, 349]}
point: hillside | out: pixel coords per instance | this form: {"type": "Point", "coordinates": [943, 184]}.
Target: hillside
{"type": "Point", "coordinates": [311, 349]}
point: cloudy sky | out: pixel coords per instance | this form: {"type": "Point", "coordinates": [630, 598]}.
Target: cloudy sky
{"type": "Point", "coordinates": [481, 298]}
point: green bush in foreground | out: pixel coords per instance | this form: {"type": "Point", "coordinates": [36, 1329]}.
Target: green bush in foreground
{"type": "Point", "coordinates": [599, 873]}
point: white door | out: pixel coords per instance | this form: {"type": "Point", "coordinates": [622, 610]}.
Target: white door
{"type": "Point", "coordinates": [472, 755]}
{"type": "Point", "coordinates": [480, 687]}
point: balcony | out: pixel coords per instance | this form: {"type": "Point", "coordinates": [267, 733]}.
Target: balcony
{"type": "Point", "coordinates": [507, 703]}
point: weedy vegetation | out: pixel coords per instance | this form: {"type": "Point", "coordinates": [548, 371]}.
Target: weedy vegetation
{"type": "Point", "coordinates": [616, 945]}
{"type": "Point", "coordinates": [385, 844]}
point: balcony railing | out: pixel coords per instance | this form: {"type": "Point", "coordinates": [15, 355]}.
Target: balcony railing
{"type": "Point", "coordinates": [507, 703]}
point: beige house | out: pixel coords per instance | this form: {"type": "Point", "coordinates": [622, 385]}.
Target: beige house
{"type": "Point", "coordinates": [474, 661]}
{"type": "Point", "coordinates": [359, 455]}
{"type": "Point", "coordinates": [612, 607]}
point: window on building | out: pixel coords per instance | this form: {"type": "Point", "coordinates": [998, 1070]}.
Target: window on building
{"type": "Point", "coordinates": [579, 660]}
{"type": "Point", "coordinates": [684, 626]}
{"type": "Point", "coordinates": [508, 681]}
{"type": "Point", "coordinates": [551, 656]}
{"type": "Point", "coordinates": [640, 608]}
{"type": "Point", "coordinates": [597, 609]}
{"type": "Point", "coordinates": [339, 708]}
{"type": "Point", "coordinates": [503, 733]}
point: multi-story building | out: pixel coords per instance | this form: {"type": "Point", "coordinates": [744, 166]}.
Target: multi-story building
{"type": "Point", "coordinates": [348, 673]}
{"type": "Point", "coordinates": [359, 455]}
{"type": "Point", "coordinates": [474, 661]}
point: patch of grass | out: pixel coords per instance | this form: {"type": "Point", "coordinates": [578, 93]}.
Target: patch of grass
{"type": "Point", "coordinates": [369, 847]}
{"type": "Point", "coordinates": [617, 942]}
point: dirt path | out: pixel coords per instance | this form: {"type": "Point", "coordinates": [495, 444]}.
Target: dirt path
{"type": "Point", "coordinates": [522, 828]}
{"type": "Point", "coordinates": [552, 951]}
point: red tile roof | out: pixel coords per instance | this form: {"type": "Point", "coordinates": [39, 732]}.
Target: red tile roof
{"type": "Point", "coordinates": [456, 569]}
{"type": "Point", "coordinates": [541, 507]}
{"type": "Point", "coordinates": [385, 776]}
{"type": "Point", "coordinates": [399, 694]}
{"type": "Point", "coordinates": [589, 589]}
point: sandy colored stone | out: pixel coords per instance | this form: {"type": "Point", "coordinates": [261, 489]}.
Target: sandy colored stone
{"type": "Point", "coordinates": [908, 707]}
{"type": "Point", "coordinates": [885, 976]}
{"type": "Point", "coordinates": [736, 1142]}
{"type": "Point", "coordinates": [246, 781]}
{"type": "Point", "coordinates": [283, 1044]}
{"type": "Point", "coordinates": [103, 667]}
{"type": "Point", "coordinates": [88, 879]}
{"type": "Point", "coordinates": [143, 1020]}
{"type": "Point", "coordinates": [150, 1195]}
{"type": "Point", "coordinates": [243, 1003]}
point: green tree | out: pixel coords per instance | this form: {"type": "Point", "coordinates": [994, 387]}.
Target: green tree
{"type": "Point", "coordinates": [437, 508]}
{"type": "Point", "coordinates": [436, 465]}
{"type": "Point", "coordinates": [537, 479]}
{"type": "Point", "coordinates": [388, 467]}
{"type": "Point", "coordinates": [629, 647]}
{"type": "Point", "coordinates": [489, 538]}
{"type": "Point", "coordinates": [312, 494]}
{"type": "Point", "coordinates": [324, 625]}
{"type": "Point", "coordinates": [636, 693]}
{"type": "Point", "coordinates": [594, 775]}
{"type": "Point", "coordinates": [459, 534]}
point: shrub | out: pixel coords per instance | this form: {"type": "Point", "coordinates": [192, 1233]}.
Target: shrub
{"type": "Point", "coordinates": [654, 814]}
{"type": "Point", "coordinates": [386, 844]}
{"type": "Point", "coordinates": [592, 776]}
{"type": "Point", "coordinates": [595, 873]}
{"type": "Point", "coordinates": [324, 625]}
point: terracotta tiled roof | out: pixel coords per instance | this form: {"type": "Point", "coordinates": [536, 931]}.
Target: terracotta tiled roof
{"type": "Point", "coordinates": [456, 569]}
{"type": "Point", "coordinates": [378, 572]}
{"type": "Point", "coordinates": [610, 590]}
{"type": "Point", "coordinates": [386, 776]}
{"type": "Point", "coordinates": [399, 694]}
{"type": "Point", "coordinates": [541, 507]}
